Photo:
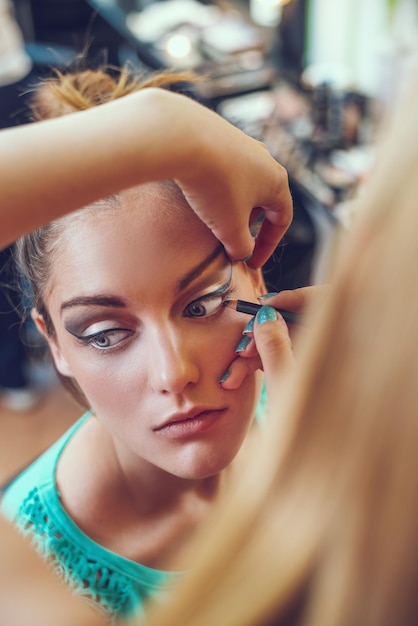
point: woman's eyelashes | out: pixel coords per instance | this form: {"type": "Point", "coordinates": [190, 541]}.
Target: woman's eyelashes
{"type": "Point", "coordinates": [209, 304]}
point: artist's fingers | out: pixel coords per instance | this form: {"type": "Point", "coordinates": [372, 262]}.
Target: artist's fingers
{"type": "Point", "coordinates": [296, 300]}
{"type": "Point", "coordinates": [273, 345]}
{"type": "Point", "coordinates": [238, 371]}
{"type": "Point", "coordinates": [277, 218]}
{"type": "Point", "coordinates": [269, 349]}
{"type": "Point", "coordinates": [227, 177]}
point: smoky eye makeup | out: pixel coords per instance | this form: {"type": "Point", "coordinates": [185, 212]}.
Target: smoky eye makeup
{"type": "Point", "coordinates": [211, 302]}
{"type": "Point", "coordinates": [84, 327]}
{"type": "Point", "coordinates": [81, 325]}
{"type": "Point", "coordinates": [102, 336]}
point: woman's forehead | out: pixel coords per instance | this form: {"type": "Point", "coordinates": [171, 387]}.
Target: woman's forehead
{"type": "Point", "coordinates": [162, 211]}
{"type": "Point", "coordinates": [151, 205]}
{"type": "Point", "coordinates": [158, 203]}
{"type": "Point", "coordinates": [143, 224]}
{"type": "Point", "coordinates": [164, 193]}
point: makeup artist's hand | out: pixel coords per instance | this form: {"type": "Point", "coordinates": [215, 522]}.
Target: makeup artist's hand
{"type": "Point", "coordinates": [269, 345]}
{"type": "Point", "coordinates": [266, 345]}
{"type": "Point", "coordinates": [229, 181]}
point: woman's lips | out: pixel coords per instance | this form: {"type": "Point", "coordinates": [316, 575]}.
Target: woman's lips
{"type": "Point", "coordinates": [188, 426]}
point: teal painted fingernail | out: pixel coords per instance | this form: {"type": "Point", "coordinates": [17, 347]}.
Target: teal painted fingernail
{"type": "Point", "coordinates": [266, 314]}
{"type": "Point", "coordinates": [249, 327]}
{"type": "Point", "coordinates": [247, 258]}
{"type": "Point", "coordinates": [271, 294]}
{"type": "Point", "coordinates": [256, 225]}
{"type": "Point", "coordinates": [224, 376]}
{"type": "Point", "coordinates": [243, 344]}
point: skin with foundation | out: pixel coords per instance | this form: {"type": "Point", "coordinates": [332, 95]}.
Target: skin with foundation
{"type": "Point", "coordinates": [137, 297]}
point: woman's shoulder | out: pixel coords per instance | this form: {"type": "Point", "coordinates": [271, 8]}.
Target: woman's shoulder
{"type": "Point", "coordinates": [38, 475]}
{"type": "Point", "coordinates": [33, 503]}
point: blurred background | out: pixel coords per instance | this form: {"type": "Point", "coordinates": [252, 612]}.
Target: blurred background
{"type": "Point", "coordinates": [313, 79]}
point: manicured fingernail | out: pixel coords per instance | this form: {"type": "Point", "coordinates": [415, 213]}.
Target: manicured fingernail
{"type": "Point", "coordinates": [224, 376]}
{"type": "Point", "coordinates": [243, 344]}
{"type": "Point", "coordinates": [266, 314]}
{"type": "Point", "coordinates": [247, 258]}
{"type": "Point", "coordinates": [256, 225]}
{"type": "Point", "coordinates": [265, 296]}
{"type": "Point", "coordinates": [249, 327]}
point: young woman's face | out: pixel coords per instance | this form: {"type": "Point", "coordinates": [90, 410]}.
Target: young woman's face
{"type": "Point", "coordinates": [137, 301]}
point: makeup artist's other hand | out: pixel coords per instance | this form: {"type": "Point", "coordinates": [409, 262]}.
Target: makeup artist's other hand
{"type": "Point", "coordinates": [231, 178]}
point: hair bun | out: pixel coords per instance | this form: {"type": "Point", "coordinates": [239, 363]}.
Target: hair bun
{"type": "Point", "coordinates": [81, 90]}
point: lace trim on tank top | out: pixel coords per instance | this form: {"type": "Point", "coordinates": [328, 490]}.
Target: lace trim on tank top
{"type": "Point", "coordinates": [108, 589]}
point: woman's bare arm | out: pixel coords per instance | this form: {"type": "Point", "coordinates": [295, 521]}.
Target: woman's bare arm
{"type": "Point", "coordinates": [50, 168]}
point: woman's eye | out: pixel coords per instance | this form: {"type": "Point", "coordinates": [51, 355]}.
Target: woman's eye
{"type": "Point", "coordinates": [204, 307]}
{"type": "Point", "coordinates": [107, 338]}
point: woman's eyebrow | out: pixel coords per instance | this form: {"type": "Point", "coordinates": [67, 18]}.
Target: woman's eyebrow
{"type": "Point", "coordinates": [109, 301]}
{"type": "Point", "coordinates": [196, 271]}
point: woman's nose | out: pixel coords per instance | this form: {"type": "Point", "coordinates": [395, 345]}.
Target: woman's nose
{"type": "Point", "coordinates": [172, 366]}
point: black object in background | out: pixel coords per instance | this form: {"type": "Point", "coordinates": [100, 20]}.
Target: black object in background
{"type": "Point", "coordinates": [298, 255]}
{"type": "Point", "coordinates": [69, 23]}
{"type": "Point", "coordinates": [292, 37]}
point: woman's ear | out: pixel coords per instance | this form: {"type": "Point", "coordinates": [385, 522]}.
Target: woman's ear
{"type": "Point", "coordinates": [60, 362]}
{"type": "Point", "coordinates": [39, 322]}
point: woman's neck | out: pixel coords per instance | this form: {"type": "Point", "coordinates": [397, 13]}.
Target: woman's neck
{"type": "Point", "coordinates": [128, 505]}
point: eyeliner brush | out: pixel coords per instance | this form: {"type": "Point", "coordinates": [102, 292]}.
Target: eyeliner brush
{"type": "Point", "coordinates": [251, 308]}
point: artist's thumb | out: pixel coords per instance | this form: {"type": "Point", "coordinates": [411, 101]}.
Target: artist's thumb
{"type": "Point", "coordinates": [274, 347]}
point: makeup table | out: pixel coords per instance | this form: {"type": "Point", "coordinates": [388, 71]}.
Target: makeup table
{"type": "Point", "coordinates": [221, 43]}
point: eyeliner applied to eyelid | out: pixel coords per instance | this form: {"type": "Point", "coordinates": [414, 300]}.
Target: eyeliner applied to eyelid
{"type": "Point", "coordinates": [220, 294]}
{"type": "Point", "coordinates": [219, 291]}
{"type": "Point", "coordinates": [196, 271]}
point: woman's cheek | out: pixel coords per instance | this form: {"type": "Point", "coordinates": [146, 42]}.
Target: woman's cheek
{"type": "Point", "coordinates": [106, 381]}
